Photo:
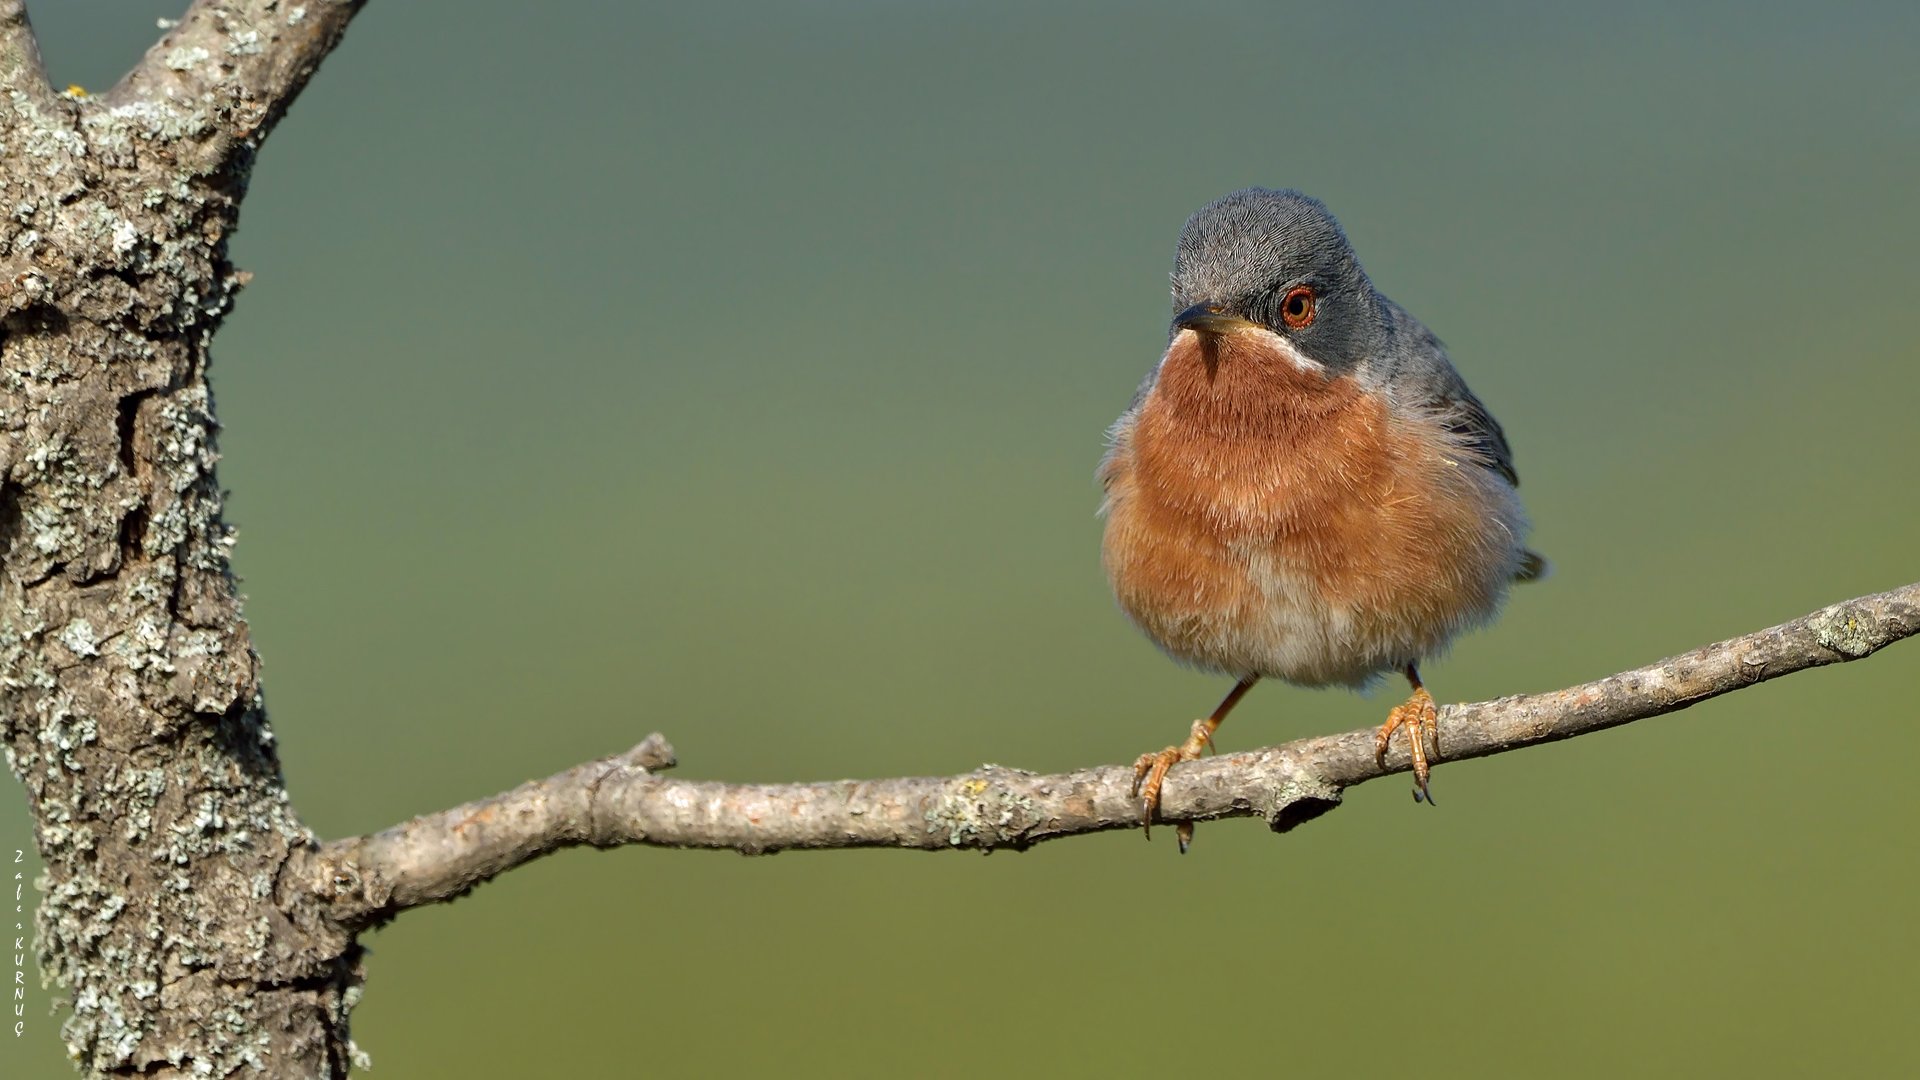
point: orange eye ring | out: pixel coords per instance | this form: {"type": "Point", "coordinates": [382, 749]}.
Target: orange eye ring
{"type": "Point", "coordinates": [1296, 308]}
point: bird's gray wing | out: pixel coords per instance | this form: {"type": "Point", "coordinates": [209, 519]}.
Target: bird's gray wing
{"type": "Point", "coordinates": [1415, 365]}
{"type": "Point", "coordinates": [1469, 419]}
{"type": "Point", "coordinates": [1417, 369]}
{"type": "Point", "coordinates": [1481, 433]}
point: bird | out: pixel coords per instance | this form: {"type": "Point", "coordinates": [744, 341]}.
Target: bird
{"type": "Point", "coordinates": [1303, 488]}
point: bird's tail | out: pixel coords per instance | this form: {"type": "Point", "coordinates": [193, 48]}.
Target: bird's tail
{"type": "Point", "coordinates": [1533, 567]}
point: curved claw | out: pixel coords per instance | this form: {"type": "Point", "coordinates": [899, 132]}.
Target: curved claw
{"type": "Point", "coordinates": [1153, 768]}
{"type": "Point", "coordinates": [1150, 771]}
{"type": "Point", "coordinates": [1421, 717]}
{"type": "Point", "coordinates": [1202, 735]}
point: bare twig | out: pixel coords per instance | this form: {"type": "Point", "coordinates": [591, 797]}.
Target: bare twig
{"type": "Point", "coordinates": [622, 800]}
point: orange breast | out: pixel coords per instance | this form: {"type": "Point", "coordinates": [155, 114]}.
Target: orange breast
{"type": "Point", "coordinates": [1264, 519]}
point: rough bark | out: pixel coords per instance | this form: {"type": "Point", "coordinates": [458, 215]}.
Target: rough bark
{"type": "Point", "coordinates": [129, 689]}
{"type": "Point", "coordinates": [623, 800]}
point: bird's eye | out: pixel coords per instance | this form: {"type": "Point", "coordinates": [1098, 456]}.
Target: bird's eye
{"type": "Point", "coordinates": [1296, 308]}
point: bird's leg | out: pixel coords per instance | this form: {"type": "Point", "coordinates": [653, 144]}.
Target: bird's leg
{"type": "Point", "coordinates": [1421, 718]}
{"type": "Point", "coordinates": [1150, 772]}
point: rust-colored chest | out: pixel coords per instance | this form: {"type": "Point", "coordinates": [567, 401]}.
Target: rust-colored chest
{"type": "Point", "coordinates": [1263, 518]}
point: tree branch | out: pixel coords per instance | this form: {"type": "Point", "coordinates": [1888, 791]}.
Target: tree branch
{"type": "Point", "coordinates": [236, 63]}
{"type": "Point", "coordinates": [622, 800]}
{"type": "Point", "coordinates": [23, 77]}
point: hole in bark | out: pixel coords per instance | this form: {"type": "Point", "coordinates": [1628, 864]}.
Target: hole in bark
{"type": "Point", "coordinates": [133, 534]}
{"type": "Point", "coordinates": [129, 413]}
{"type": "Point", "coordinates": [9, 518]}
{"type": "Point", "coordinates": [37, 318]}
{"type": "Point", "coordinates": [1301, 811]}
{"type": "Point", "coordinates": [133, 527]}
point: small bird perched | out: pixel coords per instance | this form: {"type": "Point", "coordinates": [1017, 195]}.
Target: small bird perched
{"type": "Point", "coordinates": [1303, 487]}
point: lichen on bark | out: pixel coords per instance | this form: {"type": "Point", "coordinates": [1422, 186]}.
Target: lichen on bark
{"type": "Point", "coordinates": [130, 698]}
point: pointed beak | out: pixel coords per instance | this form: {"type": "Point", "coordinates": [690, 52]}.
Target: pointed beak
{"type": "Point", "coordinates": [1210, 318]}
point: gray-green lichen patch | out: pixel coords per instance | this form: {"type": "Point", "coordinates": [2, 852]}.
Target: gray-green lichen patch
{"type": "Point", "coordinates": [1846, 631]}
{"type": "Point", "coordinates": [184, 58]}
{"type": "Point", "coordinates": [975, 811]}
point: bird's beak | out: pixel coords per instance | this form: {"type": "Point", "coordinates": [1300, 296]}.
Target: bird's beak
{"type": "Point", "coordinates": [1208, 317]}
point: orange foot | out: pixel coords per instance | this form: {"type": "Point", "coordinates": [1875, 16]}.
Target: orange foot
{"type": "Point", "coordinates": [1150, 774]}
{"type": "Point", "coordinates": [1421, 719]}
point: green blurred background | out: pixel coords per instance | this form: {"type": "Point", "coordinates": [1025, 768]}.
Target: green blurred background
{"type": "Point", "coordinates": [739, 371]}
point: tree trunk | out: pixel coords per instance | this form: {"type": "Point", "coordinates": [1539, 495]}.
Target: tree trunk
{"type": "Point", "coordinates": [129, 689]}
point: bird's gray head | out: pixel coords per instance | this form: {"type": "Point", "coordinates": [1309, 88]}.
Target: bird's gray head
{"type": "Point", "coordinates": [1277, 259]}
